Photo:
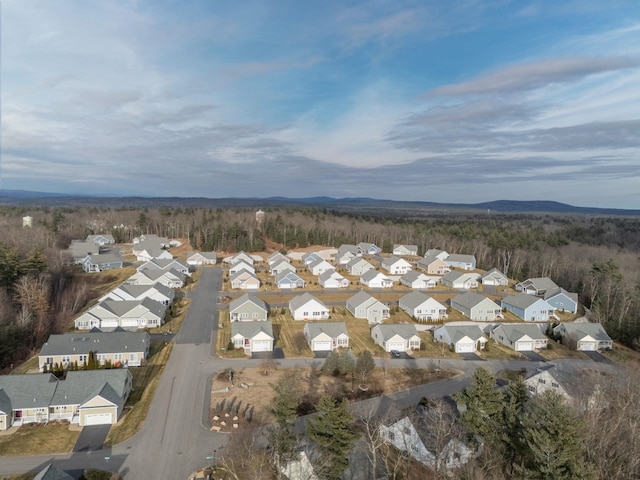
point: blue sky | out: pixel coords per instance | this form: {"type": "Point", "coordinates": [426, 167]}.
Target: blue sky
{"type": "Point", "coordinates": [428, 100]}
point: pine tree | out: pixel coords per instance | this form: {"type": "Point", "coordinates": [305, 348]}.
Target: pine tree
{"type": "Point", "coordinates": [554, 441]}
{"type": "Point", "coordinates": [484, 405]}
{"type": "Point", "coordinates": [282, 437]}
{"type": "Point", "coordinates": [332, 429]}
{"type": "Point", "coordinates": [511, 443]}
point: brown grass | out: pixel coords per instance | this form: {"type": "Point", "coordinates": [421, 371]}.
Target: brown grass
{"type": "Point", "coordinates": [39, 439]}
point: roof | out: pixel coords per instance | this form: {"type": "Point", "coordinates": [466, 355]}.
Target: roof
{"type": "Point", "coordinates": [326, 275]}
{"type": "Point", "coordinates": [333, 329]}
{"type": "Point", "coordinates": [521, 300]}
{"type": "Point", "coordinates": [288, 275]}
{"type": "Point", "coordinates": [360, 298]}
{"type": "Point", "coordinates": [207, 255]}
{"type": "Point", "coordinates": [540, 283]}
{"type": "Point", "coordinates": [460, 257]}
{"type": "Point", "coordinates": [30, 390]}
{"type": "Point", "coordinates": [319, 261]}
{"type": "Point", "coordinates": [99, 342]}
{"type": "Point", "coordinates": [388, 330]}
{"type": "Point", "coordinates": [242, 275]}
{"type": "Point", "coordinates": [494, 272]}
{"type": "Point", "coordinates": [594, 330]}
{"type": "Point", "coordinates": [51, 472]}
{"type": "Point", "coordinates": [561, 291]}
{"type": "Point", "coordinates": [470, 299]}
{"type": "Point", "coordinates": [82, 248]}
{"type": "Point", "coordinates": [300, 300]}
{"type": "Point", "coordinates": [247, 297]}
{"type": "Point", "coordinates": [137, 291]}
{"type": "Point", "coordinates": [357, 260]}
{"type": "Point", "coordinates": [82, 385]}
{"type": "Point", "coordinates": [414, 299]}
{"type": "Point", "coordinates": [104, 258]}
{"type": "Point", "coordinates": [515, 331]}
{"type": "Point", "coordinates": [458, 332]}
{"type": "Point", "coordinates": [121, 307]}
{"type": "Point", "coordinates": [404, 245]}
{"type": "Point", "coordinates": [251, 329]}
{"type": "Point", "coordinates": [371, 274]}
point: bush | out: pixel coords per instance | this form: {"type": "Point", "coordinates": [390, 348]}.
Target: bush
{"type": "Point", "coordinates": [230, 345]}
{"type": "Point", "coordinates": [423, 346]}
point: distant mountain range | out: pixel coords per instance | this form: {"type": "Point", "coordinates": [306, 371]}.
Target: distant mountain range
{"type": "Point", "coordinates": [29, 198]}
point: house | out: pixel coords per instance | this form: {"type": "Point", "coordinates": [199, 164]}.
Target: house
{"type": "Point", "coordinates": [289, 280]}
{"type": "Point", "coordinates": [128, 314]}
{"type": "Point", "coordinates": [101, 262]}
{"type": "Point", "coordinates": [417, 437]}
{"type": "Point", "coordinates": [119, 347]}
{"type": "Point", "coordinates": [405, 250]}
{"type": "Point", "coordinates": [153, 240]}
{"type": "Point", "coordinates": [433, 266]}
{"type": "Point", "coordinates": [415, 279]}
{"type": "Point", "coordinates": [308, 307]}
{"type": "Point", "coordinates": [363, 305]}
{"type": "Point", "coordinates": [396, 337]}
{"type": "Point", "coordinates": [80, 249]}
{"type": "Point", "coordinates": [358, 266]}
{"type": "Point", "coordinates": [460, 280]}
{"type": "Point", "coordinates": [477, 307]}
{"type": "Point", "coordinates": [240, 256]}
{"type": "Point", "coordinates": [458, 260]}
{"type": "Point", "coordinates": [169, 278]}
{"type": "Point", "coordinates": [562, 300]}
{"type": "Point", "coordinates": [461, 338]}
{"type": "Point", "coordinates": [247, 308]}
{"type": "Point", "coordinates": [494, 277]}
{"type": "Point", "coordinates": [537, 286]}
{"type": "Point", "coordinates": [241, 265]}
{"type": "Point", "coordinates": [422, 307]}
{"type": "Point", "coordinates": [197, 259]}
{"type": "Point", "coordinates": [253, 337]}
{"type": "Point", "coordinates": [158, 292]}
{"type": "Point", "coordinates": [346, 253]}
{"type": "Point", "coordinates": [51, 472]}
{"type": "Point", "coordinates": [529, 307]}
{"type": "Point", "coordinates": [101, 240]}
{"type": "Point", "coordinates": [299, 469]}
{"type": "Point", "coordinates": [365, 248]}
{"type": "Point", "coordinates": [276, 257]}
{"type": "Point", "coordinates": [584, 336]}
{"type": "Point", "coordinates": [434, 252]}
{"type": "Point", "coordinates": [311, 257]}
{"type": "Point", "coordinates": [375, 279]}
{"type": "Point", "coordinates": [318, 267]}
{"type": "Point", "coordinates": [85, 397]}
{"type": "Point", "coordinates": [146, 254]}
{"type": "Point", "coordinates": [332, 279]}
{"type": "Point", "coordinates": [395, 265]}
{"type": "Point", "coordinates": [281, 266]}
{"type": "Point", "coordinates": [521, 337]}
{"type": "Point", "coordinates": [245, 281]}
{"type": "Point", "coordinates": [176, 264]}
{"type": "Point", "coordinates": [326, 336]}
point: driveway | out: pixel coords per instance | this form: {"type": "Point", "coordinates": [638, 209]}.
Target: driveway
{"type": "Point", "coordinates": [534, 357]}
{"type": "Point", "coordinates": [472, 356]}
{"type": "Point", "coordinates": [91, 438]}
{"type": "Point", "coordinates": [277, 353]}
{"type": "Point", "coordinates": [598, 357]}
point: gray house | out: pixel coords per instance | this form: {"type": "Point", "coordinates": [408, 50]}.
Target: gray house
{"type": "Point", "coordinates": [326, 336]}
{"type": "Point", "coordinates": [253, 337]}
{"type": "Point", "coordinates": [584, 336]}
{"type": "Point", "coordinates": [363, 305]}
{"type": "Point", "coordinates": [101, 262]}
{"type": "Point", "coordinates": [494, 277]}
{"type": "Point", "coordinates": [422, 307]}
{"type": "Point", "coordinates": [396, 337]}
{"type": "Point", "coordinates": [521, 337]}
{"type": "Point", "coordinates": [247, 308]}
{"type": "Point", "coordinates": [477, 307]}
{"type": "Point", "coordinates": [358, 266]}
{"type": "Point", "coordinates": [458, 260]}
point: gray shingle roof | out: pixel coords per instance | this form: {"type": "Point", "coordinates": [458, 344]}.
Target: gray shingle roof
{"type": "Point", "coordinates": [414, 299]}
{"type": "Point", "coordinates": [29, 391]}
{"type": "Point", "coordinates": [388, 330]}
{"type": "Point", "coordinates": [460, 257]}
{"type": "Point", "coordinates": [251, 329]}
{"type": "Point", "coordinates": [333, 329]}
{"type": "Point", "coordinates": [515, 331]}
{"type": "Point", "coordinates": [371, 274]}
{"type": "Point", "coordinates": [120, 308]}
{"type": "Point", "coordinates": [541, 283]}
{"type": "Point", "coordinates": [521, 300]}
{"type": "Point", "coordinates": [300, 300]}
{"type": "Point", "coordinates": [494, 273]}
{"type": "Point", "coordinates": [594, 330]}
{"type": "Point", "coordinates": [470, 299]}
{"type": "Point", "coordinates": [98, 342]}
{"type": "Point", "coordinates": [359, 298]}
{"type": "Point", "coordinates": [103, 258]}
{"type": "Point", "coordinates": [51, 472]}
{"type": "Point", "coordinates": [561, 291]}
{"type": "Point", "coordinates": [247, 297]}
{"type": "Point", "coordinates": [82, 385]}
{"type": "Point", "coordinates": [457, 332]}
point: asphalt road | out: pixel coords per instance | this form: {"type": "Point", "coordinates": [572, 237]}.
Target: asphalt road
{"type": "Point", "coordinates": [175, 438]}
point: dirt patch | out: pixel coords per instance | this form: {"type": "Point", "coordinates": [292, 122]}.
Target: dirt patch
{"type": "Point", "coordinates": [248, 398]}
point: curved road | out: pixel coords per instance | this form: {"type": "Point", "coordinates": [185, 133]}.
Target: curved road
{"type": "Point", "coordinates": [175, 438]}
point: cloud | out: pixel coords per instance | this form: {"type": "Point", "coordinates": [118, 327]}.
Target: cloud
{"type": "Point", "coordinates": [534, 75]}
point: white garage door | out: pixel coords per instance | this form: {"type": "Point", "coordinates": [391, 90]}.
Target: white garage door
{"type": "Point", "coordinates": [322, 346]}
{"type": "Point", "coordinates": [588, 346]}
{"type": "Point", "coordinates": [465, 348]}
{"type": "Point", "coordinates": [399, 347]}
{"type": "Point", "coordinates": [524, 346]}
{"type": "Point", "coordinates": [262, 346]}
{"type": "Point", "coordinates": [97, 419]}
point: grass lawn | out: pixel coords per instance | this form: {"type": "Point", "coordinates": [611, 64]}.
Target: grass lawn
{"type": "Point", "coordinates": [557, 350]}
{"type": "Point", "coordinates": [174, 320]}
{"type": "Point", "coordinates": [30, 366]}
{"type": "Point", "coordinates": [37, 438]}
{"type": "Point", "coordinates": [495, 351]}
{"type": "Point", "coordinates": [433, 349]}
{"type": "Point", "coordinates": [622, 354]}
{"type": "Point", "coordinates": [145, 382]}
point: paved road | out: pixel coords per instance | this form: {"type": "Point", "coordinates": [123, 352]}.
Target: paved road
{"type": "Point", "coordinates": [175, 438]}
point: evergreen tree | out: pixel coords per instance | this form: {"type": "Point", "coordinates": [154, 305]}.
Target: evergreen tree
{"type": "Point", "coordinates": [554, 438]}
{"type": "Point", "coordinates": [332, 429]}
{"type": "Point", "coordinates": [282, 437]}
{"type": "Point", "coordinates": [330, 365]}
{"type": "Point", "coordinates": [483, 405]}
{"type": "Point", "coordinates": [511, 443]}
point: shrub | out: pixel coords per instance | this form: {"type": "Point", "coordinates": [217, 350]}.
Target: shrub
{"type": "Point", "coordinates": [230, 345]}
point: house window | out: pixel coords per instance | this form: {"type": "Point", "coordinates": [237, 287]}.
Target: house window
{"type": "Point", "coordinates": [244, 315]}
{"type": "Point", "coordinates": [66, 358]}
{"type": "Point", "coordinates": [118, 356]}
{"type": "Point", "coordinates": [392, 435]}
{"type": "Point", "coordinates": [407, 431]}
{"type": "Point", "coordinates": [414, 449]}
{"type": "Point", "coordinates": [542, 381]}
{"type": "Point", "coordinates": [305, 314]}
{"type": "Point", "coordinates": [49, 360]}
{"type": "Point", "coordinates": [555, 385]}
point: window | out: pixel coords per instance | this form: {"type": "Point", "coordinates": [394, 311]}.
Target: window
{"type": "Point", "coordinates": [414, 449]}
{"type": "Point", "coordinates": [66, 358]}
{"type": "Point", "coordinates": [392, 435]}
{"type": "Point", "coordinates": [555, 385]}
{"type": "Point", "coordinates": [542, 381]}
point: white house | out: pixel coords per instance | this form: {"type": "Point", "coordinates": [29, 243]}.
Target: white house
{"type": "Point", "coordinates": [241, 265]}
{"type": "Point", "coordinates": [197, 259]}
{"type": "Point", "coordinates": [375, 279]}
{"type": "Point", "coordinates": [460, 280]}
{"type": "Point", "coordinates": [318, 267]}
{"type": "Point", "coordinates": [158, 292]}
{"type": "Point", "coordinates": [418, 280]}
{"type": "Point", "coordinates": [245, 281]}
{"type": "Point", "coordinates": [308, 307]}
{"type": "Point", "coordinates": [281, 266]}
{"type": "Point", "coordinates": [166, 264]}
{"type": "Point", "coordinates": [358, 266]}
{"type": "Point", "coordinates": [289, 280]}
{"type": "Point", "coordinates": [584, 336]}
{"type": "Point", "coordinates": [395, 265]}
{"type": "Point", "coordinates": [240, 256]}
{"type": "Point", "coordinates": [252, 337]}
{"type": "Point", "coordinates": [276, 257]}
{"type": "Point", "coordinates": [365, 248]}
{"type": "Point", "coordinates": [363, 305]}
{"type": "Point", "coordinates": [405, 250]}
{"type": "Point", "coordinates": [127, 314]}
{"type": "Point", "coordinates": [422, 307]}
{"type": "Point", "coordinates": [396, 337]}
{"type": "Point", "coordinates": [521, 337]}
{"type": "Point", "coordinates": [462, 338]}
{"type": "Point", "coordinates": [326, 336]}
{"type": "Point", "coordinates": [494, 277]}
{"type": "Point", "coordinates": [346, 253]}
{"type": "Point", "coordinates": [332, 279]}
{"type": "Point", "coordinates": [168, 278]}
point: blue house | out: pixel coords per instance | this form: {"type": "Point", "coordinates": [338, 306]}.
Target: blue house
{"type": "Point", "coordinates": [562, 300]}
{"type": "Point", "coordinates": [529, 307]}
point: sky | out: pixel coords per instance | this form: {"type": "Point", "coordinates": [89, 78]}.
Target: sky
{"type": "Point", "coordinates": [457, 101]}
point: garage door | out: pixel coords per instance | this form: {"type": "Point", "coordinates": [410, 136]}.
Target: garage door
{"type": "Point", "coordinates": [396, 346]}
{"type": "Point", "coordinates": [524, 346]}
{"type": "Point", "coordinates": [262, 346]}
{"type": "Point", "coordinates": [587, 346]}
{"type": "Point", "coordinates": [465, 347]}
{"type": "Point", "coordinates": [322, 346]}
{"type": "Point", "coordinates": [97, 419]}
